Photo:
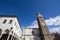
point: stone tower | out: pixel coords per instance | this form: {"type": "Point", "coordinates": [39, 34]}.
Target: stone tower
{"type": "Point", "coordinates": [44, 33]}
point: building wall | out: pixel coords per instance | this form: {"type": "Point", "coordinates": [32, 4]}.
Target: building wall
{"type": "Point", "coordinates": [31, 34]}
{"type": "Point", "coordinates": [15, 31]}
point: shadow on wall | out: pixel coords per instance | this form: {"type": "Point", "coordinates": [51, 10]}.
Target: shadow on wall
{"type": "Point", "coordinates": [4, 37]}
{"type": "Point", "coordinates": [36, 34]}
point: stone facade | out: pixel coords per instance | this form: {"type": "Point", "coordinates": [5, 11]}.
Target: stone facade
{"type": "Point", "coordinates": [40, 33]}
{"type": "Point", "coordinates": [9, 28]}
{"type": "Point", "coordinates": [44, 32]}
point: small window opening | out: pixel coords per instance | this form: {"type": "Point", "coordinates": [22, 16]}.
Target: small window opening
{"type": "Point", "coordinates": [5, 21]}
{"type": "Point", "coordinates": [0, 31]}
{"type": "Point", "coordinates": [33, 32]}
{"type": "Point", "coordinates": [10, 21]}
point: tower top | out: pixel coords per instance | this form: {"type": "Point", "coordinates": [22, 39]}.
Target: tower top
{"type": "Point", "coordinates": [39, 15]}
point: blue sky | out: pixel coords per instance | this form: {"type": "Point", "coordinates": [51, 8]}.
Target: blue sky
{"type": "Point", "coordinates": [26, 10]}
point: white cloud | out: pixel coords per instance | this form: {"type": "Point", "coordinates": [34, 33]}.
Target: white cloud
{"type": "Point", "coordinates": [33, 25]}
{"type": "Point", "coordinates": [53, 21]}
{"type": "Point", "coordinates": [54, 30]}
{"type": "Point", "coordinates": [50, 22]}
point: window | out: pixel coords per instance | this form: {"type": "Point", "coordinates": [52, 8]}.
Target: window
{"type": "Point", "coordinates": [5, 21]}
{"type": "Point", "coordinates": [7, 31]}
{"type": "Point", "coordinates": [33, 32]}
{"type": "Point", "coordinates": [12, 32]}
{"type": "Point", "coordinates": [0, 31]}
{"type": "Point", "coordinates": [34, 38]}
{"type": "Point", "coordinates": [4, 37]}
{"type": "Point", "coordinates": [10, 37]}
{"type": "Point", "coordinates": [10, 21]}
{"type": "Point", "coordinates": [11, 27]}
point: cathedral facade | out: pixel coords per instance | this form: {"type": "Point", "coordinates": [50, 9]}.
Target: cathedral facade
{"type": "Point", "coordinates": [31, 34]}
{"type": "Point", "coordinates": [40, 33]}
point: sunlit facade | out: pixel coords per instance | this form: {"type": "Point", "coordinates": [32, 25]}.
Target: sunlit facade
{"type": "Point", "coordinates": [10, 28]}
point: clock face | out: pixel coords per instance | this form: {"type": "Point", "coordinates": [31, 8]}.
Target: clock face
{"type": "Point", "coordinates": [43, 24]}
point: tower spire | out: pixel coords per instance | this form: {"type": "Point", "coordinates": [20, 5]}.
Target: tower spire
{"type": "Point", "coordinates": [39, 15]}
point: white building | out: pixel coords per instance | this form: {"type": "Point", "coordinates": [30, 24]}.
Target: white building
{"type": "Point", "coordinates": [10, 28]}
{"type": "Point", "coordinates": [31, 34]}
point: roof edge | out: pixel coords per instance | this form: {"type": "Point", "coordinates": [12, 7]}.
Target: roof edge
{"type": "Point", "coordinates": [8, 16]}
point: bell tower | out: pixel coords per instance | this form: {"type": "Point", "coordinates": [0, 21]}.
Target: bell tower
{"type": "Point", "coordinates": [44, 33]}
